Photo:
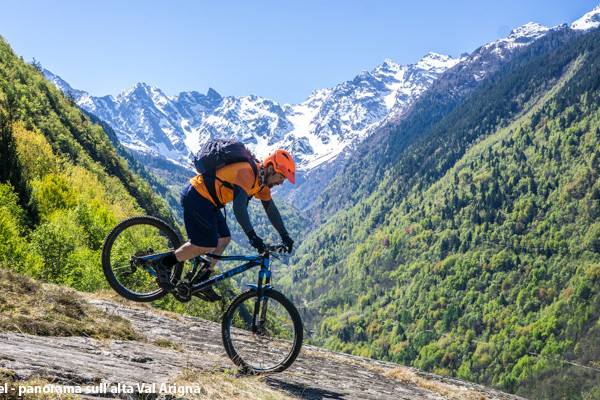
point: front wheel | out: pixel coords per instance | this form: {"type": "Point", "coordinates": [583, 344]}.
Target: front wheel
{"type": "Point", "coordinates": [274, 342]}
{"type": "Point", "coordinates": [136, 237]}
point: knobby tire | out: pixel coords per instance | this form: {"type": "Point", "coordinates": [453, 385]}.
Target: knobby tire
{"type": "Point", "coordinates": [132, 236]}
{"type": "Point", "coordinates": [268, 353]}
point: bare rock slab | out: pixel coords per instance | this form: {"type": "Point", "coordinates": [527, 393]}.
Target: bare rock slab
{"type": "Point", "coordinates": [316, 374]}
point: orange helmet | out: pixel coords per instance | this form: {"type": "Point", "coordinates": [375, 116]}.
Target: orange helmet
{"type": "Point", "coordinates": [282, 162]}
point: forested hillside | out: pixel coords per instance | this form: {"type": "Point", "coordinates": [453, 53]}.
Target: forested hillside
{"type": "Point", "coordinates": [373, 158]}
{"type": "Point", "coordinates": [62, 184]}
{"type": "Point", "coordinates": [65, 181]}
{"type": "Point", "coordinates": [167, 189]}
{"type": "Point", "coordinates": [477, 253]}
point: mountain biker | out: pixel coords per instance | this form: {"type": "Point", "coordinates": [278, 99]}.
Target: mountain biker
{"type": "Point", "coordinates": [205, 224]}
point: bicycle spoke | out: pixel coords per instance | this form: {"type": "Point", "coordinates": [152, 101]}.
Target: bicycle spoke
{"type": "Point", "coordinates": [275, 343]}
{"type": "Point", "coordinates": [136, 237]}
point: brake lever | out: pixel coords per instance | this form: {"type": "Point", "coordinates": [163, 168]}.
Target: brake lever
{"type": "Point", "coordinates": [277, 251]}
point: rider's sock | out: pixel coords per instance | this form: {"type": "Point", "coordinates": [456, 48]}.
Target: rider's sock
{"type": "Point", "coordinates": [169, 260]}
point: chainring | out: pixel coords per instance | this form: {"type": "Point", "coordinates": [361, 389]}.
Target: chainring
{"type": "Point", "coordinates": [183, 292]}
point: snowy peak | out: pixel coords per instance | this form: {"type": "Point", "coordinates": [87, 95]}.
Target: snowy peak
{"type": "Point", "coordinates": [519, 37]}
{"type": "Point", "coordinates": [503, 49]}
{"type": "Point", "coordinates": [140, 91]}
{"type": "Point", "coordinates": [437, 62]}
{"type": "Point", "coordinates": [254, 120]}
{"type": "Point", "coordinates": [211, 100]}
{"type": "Point", "coordinates": [213, 96]}
{"type": "Point", "coordinates": [589, 21]}
{"type": "Point", "coordinates": [332, 122]}
{"type": "Point", "coordinates": [431, 62]}
{"type": "Point", "coordinates": [532, 31]}
{"type": "Point", "coordinates": [387, 69]}
{"type": "Point", "coordinates": [527, 33]}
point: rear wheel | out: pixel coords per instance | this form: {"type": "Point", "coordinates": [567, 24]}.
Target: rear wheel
{"type": "Point", "coordinates": [136, 237]}
{"type": "Point", "coordinates": [276, 342]}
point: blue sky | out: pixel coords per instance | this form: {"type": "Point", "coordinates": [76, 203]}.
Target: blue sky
{"type": "Point", "coordinates": [281, 50]}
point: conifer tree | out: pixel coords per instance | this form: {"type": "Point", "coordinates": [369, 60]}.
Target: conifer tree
{"type": "Point", "coordinates": [10, 167]}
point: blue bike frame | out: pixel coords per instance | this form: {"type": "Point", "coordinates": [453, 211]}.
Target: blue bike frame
{"type": "Point", "coordinates": [251, 262]}
{"type": "Point", "coordinates": [264, 276]}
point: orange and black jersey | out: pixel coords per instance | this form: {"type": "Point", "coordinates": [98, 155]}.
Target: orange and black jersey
{"type": "Point", "coordinates": [238, 174]}
{"type": "Point", "coordinates": [242, 184]}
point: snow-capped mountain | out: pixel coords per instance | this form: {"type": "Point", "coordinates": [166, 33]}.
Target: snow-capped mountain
{"type": "Point", "coordinates": [332, 122]}
{"type": "Point", "coordinates": [488, 58]}
{"type": "Point", "coordinates": [321, 132]}
{"type": "Point", "coordinates": [518, 38]}
{"type": "Point", "coordinates": [589, 21]}
{"type": "Point", "coordinates": [327, 124]}
{"type": "Point", "coordinates": [450, 89]}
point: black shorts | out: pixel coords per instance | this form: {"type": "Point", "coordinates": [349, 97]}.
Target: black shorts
{"type": "Point", "coordinates": [204, 222]}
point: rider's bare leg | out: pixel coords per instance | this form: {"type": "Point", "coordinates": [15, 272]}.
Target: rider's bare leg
{"type": "Point", "coordinates": [189, 250]}
{"type": "Point", "coordinates": [221, 246]}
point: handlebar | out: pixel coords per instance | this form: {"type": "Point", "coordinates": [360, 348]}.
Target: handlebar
{"type": "Point", "coordinates": [274, 250]}
{"type": "Point", "coordinates": [278, 248]}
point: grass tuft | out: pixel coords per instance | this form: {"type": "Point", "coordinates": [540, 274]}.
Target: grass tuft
{"type": "Point", "coordinates": [12, 384]}
{"type": "Point", "coordinates": [30, 307]}
{"type": "Point", "coordinates": [227, 385]}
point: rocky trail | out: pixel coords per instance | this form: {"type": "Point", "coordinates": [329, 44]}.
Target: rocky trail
{"type": "Point", "coordinates": [194, 344]}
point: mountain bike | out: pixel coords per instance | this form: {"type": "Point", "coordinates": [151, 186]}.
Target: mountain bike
{"type": "Point", "coordinates": [261, 329]}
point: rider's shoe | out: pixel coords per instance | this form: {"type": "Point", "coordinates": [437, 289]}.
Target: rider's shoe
{"type": "Point", "coordinates": [207, 293]}
{"type": "Point", "coordinates": [163, 274]}
{"type": "Point", "coordinates": [210, 294]}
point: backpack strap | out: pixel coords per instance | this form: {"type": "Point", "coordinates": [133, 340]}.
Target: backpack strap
{"type": "Point", "coordinates": [255, 171]}
{"type": "Point", "coordinates": [210, 182]}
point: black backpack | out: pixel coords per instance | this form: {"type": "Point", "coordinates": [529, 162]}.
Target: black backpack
{"type": "Point", "coordinates": [217, 153]}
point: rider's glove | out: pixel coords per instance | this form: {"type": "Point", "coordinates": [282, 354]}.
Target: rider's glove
{"type": "Point", "coordinates": [288, 243]}
{"type": "Point", "coordinates": [256, 242]}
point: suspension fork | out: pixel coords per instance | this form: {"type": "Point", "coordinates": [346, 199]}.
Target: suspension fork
{"type": "Point", "coordinates": [260, 305]}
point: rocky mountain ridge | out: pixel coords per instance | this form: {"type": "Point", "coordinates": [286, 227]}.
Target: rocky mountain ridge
{"type": "Point", "coordinates": [147, 120]}
{"type": "Point", "coordinates": [321, 132]}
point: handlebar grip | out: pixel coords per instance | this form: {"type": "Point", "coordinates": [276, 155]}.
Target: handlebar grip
{"type": "Point", "coordinates": [277, 247]}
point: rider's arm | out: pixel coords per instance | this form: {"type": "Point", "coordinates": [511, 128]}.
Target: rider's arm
{"type": "Point", "coordinates": [240, 209]}
{"type": "Point", "coordinates": [275, 217]}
